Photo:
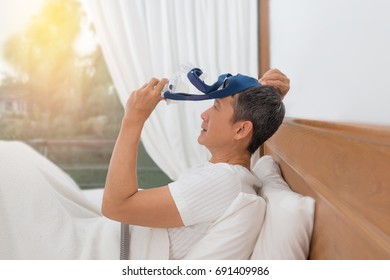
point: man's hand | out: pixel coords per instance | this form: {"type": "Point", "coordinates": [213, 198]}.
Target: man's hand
{"type": "Point", "coordinates": [144, 100]}
{"type": "Point", "coordinates": [277, 79]}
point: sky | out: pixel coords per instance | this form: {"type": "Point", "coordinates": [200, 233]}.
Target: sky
{"type": "Point", "coordinates": [15, 14]}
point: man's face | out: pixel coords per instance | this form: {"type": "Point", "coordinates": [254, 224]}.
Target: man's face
{"type": "Point", "coordinates": [217, 127]}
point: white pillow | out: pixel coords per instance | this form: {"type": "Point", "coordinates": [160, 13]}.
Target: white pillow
{"type": "Point", "coordinates": [289, 218]}
{"type": "Point", "coordinates": [233, 236]}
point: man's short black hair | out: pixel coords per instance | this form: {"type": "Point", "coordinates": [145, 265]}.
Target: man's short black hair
{"type": "Point", "coordinates": [263, 106]}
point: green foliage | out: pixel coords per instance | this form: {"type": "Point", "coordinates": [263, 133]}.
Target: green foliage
{"type": "Point", "coordinates": [69, 95]}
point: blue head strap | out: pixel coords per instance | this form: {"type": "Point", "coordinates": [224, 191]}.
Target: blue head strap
{"type": "Point", "coordinates": [226, 85]}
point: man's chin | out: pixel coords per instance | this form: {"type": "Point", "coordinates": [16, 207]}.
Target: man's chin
{"type": "Point", "coordinates": [200, 140]}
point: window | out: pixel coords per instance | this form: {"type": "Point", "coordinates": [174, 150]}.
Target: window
{"type": "Point", "coordinates": [74, 113]}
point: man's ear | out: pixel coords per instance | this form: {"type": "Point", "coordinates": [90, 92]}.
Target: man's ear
{"type": "Point", "coordinates": [244, 129]}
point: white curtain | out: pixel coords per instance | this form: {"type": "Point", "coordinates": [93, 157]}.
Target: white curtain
{"type": "Point", "coordinates": [145, 38]}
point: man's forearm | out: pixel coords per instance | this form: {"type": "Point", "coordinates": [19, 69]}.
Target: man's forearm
{"type": "Point", "coordinates": [121, 182]}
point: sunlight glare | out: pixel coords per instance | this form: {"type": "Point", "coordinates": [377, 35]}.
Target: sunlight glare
{"type": "Point", "coordinates": [14, 14]}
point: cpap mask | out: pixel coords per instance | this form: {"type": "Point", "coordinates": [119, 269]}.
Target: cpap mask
{"type": "Point", "coordinates": [226, 85]}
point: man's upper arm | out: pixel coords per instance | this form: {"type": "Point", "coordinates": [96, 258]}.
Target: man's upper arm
{"type": "Point", "coordinates": [150, 208]}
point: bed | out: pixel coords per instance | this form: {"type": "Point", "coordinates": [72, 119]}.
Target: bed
{"type": "Point", "coordinates": [345, 168]}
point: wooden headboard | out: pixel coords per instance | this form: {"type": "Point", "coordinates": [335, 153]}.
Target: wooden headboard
{"type": "Point", "coordinates": [346, 169]}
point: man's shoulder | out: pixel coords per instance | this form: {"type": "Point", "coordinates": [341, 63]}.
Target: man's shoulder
{"type": "Point", "coordinates": [213, 170]}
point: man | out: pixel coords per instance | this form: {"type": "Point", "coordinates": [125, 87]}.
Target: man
{"type": "Point", "coordinates": [232, 129]}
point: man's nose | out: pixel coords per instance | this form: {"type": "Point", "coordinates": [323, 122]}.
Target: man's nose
{"type": "Point", "coordinates": [204, 115]}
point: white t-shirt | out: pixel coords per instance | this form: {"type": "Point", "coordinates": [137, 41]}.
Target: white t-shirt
{"type": "Point", "coordinates": [202, 195]}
